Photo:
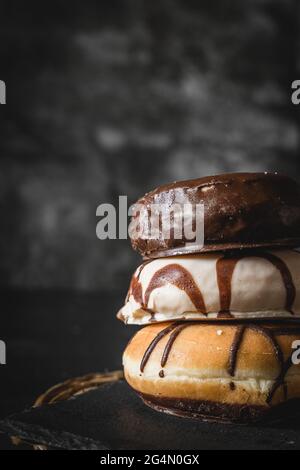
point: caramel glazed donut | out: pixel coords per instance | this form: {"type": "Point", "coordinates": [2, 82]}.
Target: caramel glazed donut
{"type": "Point", "coordinates": [215, 371]}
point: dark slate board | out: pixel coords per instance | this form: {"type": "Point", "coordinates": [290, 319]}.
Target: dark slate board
{"type": "Point", "coordinates": [113, 417]}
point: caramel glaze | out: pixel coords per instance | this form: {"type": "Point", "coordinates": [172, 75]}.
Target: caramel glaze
{"type": "Point", "coordinates": [178, 276]}
{"type": "Point", "coordinates": [177, 327]}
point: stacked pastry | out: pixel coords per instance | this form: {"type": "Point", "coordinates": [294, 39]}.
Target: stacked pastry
{"type": "Point", "coordinates": [221, 340]}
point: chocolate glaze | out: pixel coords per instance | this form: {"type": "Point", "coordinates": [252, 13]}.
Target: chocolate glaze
{"type": "Point", "coordinates": [280, 380]}
{"type": "Point", "coordinates": [258, 210]}
{"type": "Point", "coordinates": [178, 276]}
{"type": "Point", "coordinates": [135, 288]}
{"type": "Point", "coordinates": [268, 332]}
{"type": "Point", "coordinates": [153, 344]}
{"type": "Point", "coordinates": [205, 410]}
{"type": "Point", "coordinates": [271, 334]}
{"type": "Point", "coordinates": [171, 341]}
{"type": "Point", "coordinates": [286, 277]}
{"type": "Point", "coordinates": [221, 412]}
{"type": "Point", "coordinates": [225, 316]}
{"type": "Point", "coordinates": [225, 268]}
{"type": "Point", "coordinates": [232, 386]}
{"type": "Point", "coordinates": [234, 349]}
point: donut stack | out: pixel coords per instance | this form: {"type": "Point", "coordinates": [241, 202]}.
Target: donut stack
{"type": "Point", "coordinates": [222, 331]}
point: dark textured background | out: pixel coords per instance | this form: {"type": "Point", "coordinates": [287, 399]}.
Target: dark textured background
{"type": "Point", "coordinates": [114, 97]}
{"type": "Point", "coordinates": [108, 98]}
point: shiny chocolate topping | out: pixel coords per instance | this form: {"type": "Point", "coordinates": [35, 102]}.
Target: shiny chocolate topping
{"type": "Point", "coordinates": [241, 210]}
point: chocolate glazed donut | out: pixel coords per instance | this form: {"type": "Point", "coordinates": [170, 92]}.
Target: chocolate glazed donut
{"type": "Point", "coordinates": [258, 210]}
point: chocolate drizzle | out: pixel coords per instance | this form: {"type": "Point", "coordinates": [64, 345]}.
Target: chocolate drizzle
{"type": "Point", "coordinates": [174, 329]}
{"type": "Point", "coordinates": [286, 277]}
{"type": "Point", "coordinates": [136, 290]}
{"type": "Point", "coordinates": [135, 287]}
{"type": "Point", "coordinates": [232, 386]}
{"type": "Point", "coordinates": [171, 341]}
{"type": "Point", "coordinates": [268, 333]}
{"type": "Point", "coordinates": [178, 276]}
{"type": "Point", "coordinates": [234, 349]}
{"type": "Point", "coordinates": [280, 380]}
{"type": "Point", "coordinates": [225, 268]}
{"type": "Point", "coordinates": [154, 343]}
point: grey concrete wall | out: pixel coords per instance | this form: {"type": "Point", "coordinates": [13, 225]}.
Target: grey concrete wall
{"type": "Point", "coordinates": [108, 98]}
